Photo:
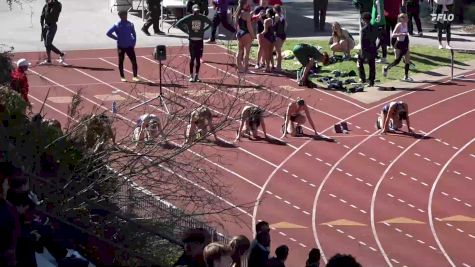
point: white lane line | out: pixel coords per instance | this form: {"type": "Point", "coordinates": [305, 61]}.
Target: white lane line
{"type": "Point", "coordinates": [282, 234]}
{"type": "Point", "coordinates": [373, 249]}
{"type": "Point", "coordinates": [420, 241]}
{"type": "Point", "coordinates": [417, 154]}
{"type": "Point", "coordinates": [353, 206]}
{"type": "Point", "coordinates": [312, 185]}
{"type": "Point", "coordinates": [472, 236]}
{"type": "Point", "coordinates": [382, 164]}
{"type": "Point", "coordinates": [305, 212]}
{"type": "Point", "coordinates": [284, 170]}
{"type": "Point", "coordinates": [302, 245]}
{"type": "Point", "coordinates": [351, 237]}
{"type": "Point", "coordinates": [436, 163]}
{"type": "Point", "coordinates": [456, 199]}
{"type": "Point", "coordinates": [362, 154]}
{"type": "Point", "coordinates": [414, 179]}
{"type": "Point", "coordinates": [319, 159]}
{"type": "Point", "coordinates": [466, 265]}
{"type": "Point", "coordinates": [278, 197]}
{"type": "Point", "coordinates": [410, 205]}
{"type": "Point", "coordinates": [362, 243]}
{"type": "Point", "coordinates": [460, 230]}
{"type": "Point", "coordinates": [368, 184]}
{"type": "Point", "coordinates": [424, 184]}
{"type": "Point", "coordinates": [296, 207]}
{"type": "Point", "coordinates": [401, 147]}
{"type": "Point", "coordinates": [303, 180]}
{"type": "Point", "coordinates": [421, 210]}
{"type": "Point", "coordinates": [294, 175]}
{"type": "Point", "coordinates": [357, 127]}
{"type": "Point", "coordinates": [308, 154]}
{"type": "Point", "coordinates": [445, 143]}
{"type": "Point", "coordinates": [410, 236]}
{"type": "Point", "coordinates": [363, 211]}
{"type": "Point", "coordinates": [269, 192]}
{"type": "Point", "coordinates": [358, 179]}
{"type": "Point", "coordinates": [286, 201]}
{"type": "Point", "coordinates": [401, 200]}
{"type": "Point", "coordinates": [468, 205]}
{"type": "Point", "coordinates": [456, 172]}
{"type": "Point", "coordinates": [427, 159]}
{"type": "Point", "coordinates": [432, 247]}
{"type": "Point", "coordinates": [445, 194]}
{"type": "Point", "coordinates": [340, 231]}
{"type": "Point", "coordinates": [373, 159]}
{"type": "Point", "coordinates": [349, 174]}
{"type": "Point", "coordinates": [392, 143]}
{"type": "Point", "coordinates": [456, 148]}
{"type": "Point", "coordinates": [395, 261]}
{"type": "Point", "coordinates": [328, 164]}
{"type": "Point", "coordinates": [338, 169]}
{"type": "Point", "coordinates": [292, 239]}
{"type": "Point", "coordinates": [399, 230]}
{"type": "Point", "coordinates": [389, 195]}
{"type": "Point", "coordinates": [366, 131]}
{"type": "Point", "coordinates": [472, 155]}
{"type": "Point", "coordinates": [344, 201]}
{"type": "Point", "coordinates": [382, 138]}
{"type": "Point", "coordinates": [402, 173]}
{"type": "Point", "coordinates": [332, 195]}
{"type": "Point", "coordinates": [469, 178]}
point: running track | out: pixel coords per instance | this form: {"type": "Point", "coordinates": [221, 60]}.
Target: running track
{"type": "Point", "coordinates": [389, 200]}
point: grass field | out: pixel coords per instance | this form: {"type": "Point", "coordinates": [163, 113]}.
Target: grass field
{"type": "Point", "coordinates": [425, 58]}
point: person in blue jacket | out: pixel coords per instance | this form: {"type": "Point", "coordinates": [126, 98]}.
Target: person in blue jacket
{"type": "Point", "coordinates": [126, 38]}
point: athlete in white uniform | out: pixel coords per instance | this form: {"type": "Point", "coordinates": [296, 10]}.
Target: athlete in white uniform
{"type": "Point", "coordinates": [147, 128]}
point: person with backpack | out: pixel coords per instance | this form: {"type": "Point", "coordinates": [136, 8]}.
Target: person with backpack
{"type": "Point", "coordinates": [19, 81]}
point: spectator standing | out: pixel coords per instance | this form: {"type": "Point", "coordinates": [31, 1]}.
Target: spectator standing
{"type": "Point", "coordinates": [19, 80]}
{"type": "Point", "coordinates": [153, 12]}
{"type": "Point", "coordinates": [259, 15]}
{"type": "Point", "coordinates": [267, 39]}
{"type": "Point", "coordinates": [49, 18]}
{"type": "Point", "coordinates": [280, 35]}
{"type": "Point", "coordinates": [240, 249]}
{"type": "Point", "coordinates": [378, 20]}
{"type": "Point", "coordinates": [281, 254]}
{"type": "Point", "coordinates": [9, 221]}
{"type": "Point", "coordinates": [126, 38]}
{"type": "Point", "coordinates": [443, 7]}
{"type": "Point", "coordinates": [217, 255]}
{"type": "Point", "coordinates": [368, 50]}
{"type": "Point", "coordinates": [313, 257]}
{"type": "Point", "coordinates": [220, 17]}
{"type": "Point", "coordinates": [245, 35]}
{"type": "Point", "coordinates": [195, 26]}
{"type": "Point", "coordinates": [195, 241]}
{"type": "Point", "coordinates": [340, 260]}
{"type": "Point", "coordinates": [260, 246]}
{"type": "Point", "coordinates": [413, 10]}
{"type": "Point", "coordinates": [362, 6]}
{"type": "Point", "coordinates": [319, 14]}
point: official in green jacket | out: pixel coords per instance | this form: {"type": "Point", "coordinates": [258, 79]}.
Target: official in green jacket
{"type": "Point", "coordinates": [195, 26]}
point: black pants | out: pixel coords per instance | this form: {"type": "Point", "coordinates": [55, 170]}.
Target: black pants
{"type": "Point", "coordinates": [441, 25]}
{"type": "Point", "coordinates": [372, 68]}
{"type": "Point", "coordinates": [196, 52]}
{"type": "Point", "coordinates": [319, 14]}
{"type": "Point", "coordinates": [403, 51]}
{"type": "Point", "coordinates": [413, 13]}
{"type": "Point", "coordinates": [153, 19]}
{"type": "Point", "coordinates": [49, 31]}
{"type": "Point", "coordinates": [217, 19]}
{"type": "Point", "coordinates": [133, 59]}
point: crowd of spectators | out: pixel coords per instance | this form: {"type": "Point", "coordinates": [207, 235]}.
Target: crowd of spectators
{"type": "Point", "coordinates": [199, 251]}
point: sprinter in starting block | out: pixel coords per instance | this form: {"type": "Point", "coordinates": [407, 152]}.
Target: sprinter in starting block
{"type": "Point", "coordinates": [201, 123]}
{"type": "Point", "coordinates": [391, 117]}
{"type": "Point", "coordinates": [251, 118]}
{"type": "Point", "coordinates": [294, 119]}
{"type": "Point", "coordinates": [147, 129]}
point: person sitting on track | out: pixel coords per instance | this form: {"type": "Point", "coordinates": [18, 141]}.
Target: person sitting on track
{"type": "Point", "coordinates": [147, 128]}
{"type": "Point", "coordinates": [201, 122]}
{"type": "Point", "coordinates": [307, 55]}
{"type": "Point", "coordinates": [251, 118]}
{"type": "Point", "coordinates": [392, 115]}
{"type": "Point", "coordinates": [293, 115]}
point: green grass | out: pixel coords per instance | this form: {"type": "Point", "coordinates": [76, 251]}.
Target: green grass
{"type": "Point", "coordinates": [425, 58]}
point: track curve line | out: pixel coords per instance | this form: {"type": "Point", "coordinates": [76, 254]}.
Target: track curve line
{"type": "Point", "coordinates": [429, 207]}
{"type": "Point", "coordinates": [380, 181]}
{"type": "Point", "coordinates": [322, 184]}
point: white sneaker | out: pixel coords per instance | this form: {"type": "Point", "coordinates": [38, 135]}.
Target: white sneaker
{"type": "Point", "coordinates": [408, 79]}
{"type": "Point", "coordinates": [382, 60]}
{"type": "Point", "coordinates": [448, 47]}
{"type": "Point", "coordinates": [45, 63]}
{"type": "Point", "coordinates": [441, 46]}
{"type": "Point", "coordinates": [61, 59]}
{"type": "Point", "coordinates": [385, 71]}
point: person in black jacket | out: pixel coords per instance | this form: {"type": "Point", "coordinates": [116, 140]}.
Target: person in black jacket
{"type": "Point", "coordinates": [154, 12]}
{"type": "Point", "coordinates": [319, 14]}
{"type": "Point", "coordinates": [368, 50]}
{"type": "Point", "coordinates": [48, 20]}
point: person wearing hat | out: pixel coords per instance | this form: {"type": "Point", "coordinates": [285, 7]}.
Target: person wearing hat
{"type": "Point", "coordinates": [49, 18]}
{"type": "Point", "coordinates": [19, 81]}
{"type": "Point", "coordinates": [195, 26]}
{"type": "Point", "coordinates": [126, 38]}
{"type": "Point", "coordinates": [251, 118]}
{"type": "Point", "coordinates": [294, 119]}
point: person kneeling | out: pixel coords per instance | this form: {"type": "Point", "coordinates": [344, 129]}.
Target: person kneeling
{"type": "Point", "coordinates": [294, 119]}
{"type": "Point", "coordinates": [201, 123]}
{"type": "Point", "coordinates": [251, 119]}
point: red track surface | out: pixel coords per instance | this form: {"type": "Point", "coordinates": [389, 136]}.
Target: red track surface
{"type": "Point", "coordinates": [363, 178]}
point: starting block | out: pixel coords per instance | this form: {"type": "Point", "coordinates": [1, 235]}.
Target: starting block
{"type": "Point", "coordinates": [341, 127]}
